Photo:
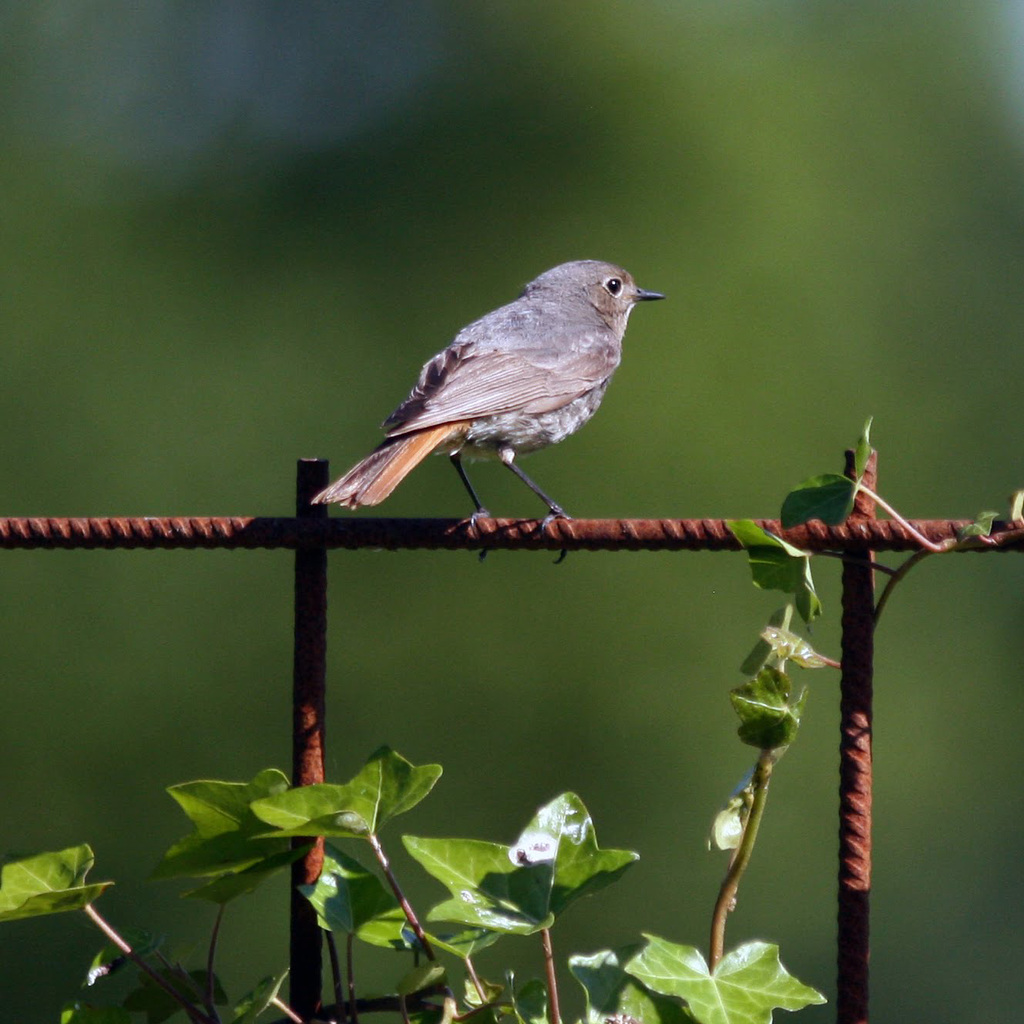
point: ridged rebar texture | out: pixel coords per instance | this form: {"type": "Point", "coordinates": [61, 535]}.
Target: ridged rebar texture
{"type": "Point", "coordinates": [309, 682]}
{"type": "Point", "coordinates": [226, 532]}
{"type": "Point", "coordinates": [855, 723]}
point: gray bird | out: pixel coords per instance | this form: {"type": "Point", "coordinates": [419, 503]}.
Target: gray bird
{"type": "Point", "coordinates": [520, 378]}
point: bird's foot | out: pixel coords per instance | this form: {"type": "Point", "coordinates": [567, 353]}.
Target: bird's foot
{"type": "Point", "coordinates": [557, 512]}
{"type": "Point", "coordinates": [480, 513]}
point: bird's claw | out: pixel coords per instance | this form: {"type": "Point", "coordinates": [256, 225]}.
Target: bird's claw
{"type": "Point", "coordinates": [557, 512]}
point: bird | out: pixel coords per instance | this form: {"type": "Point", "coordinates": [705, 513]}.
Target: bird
{"type": "Point", "coordinates": [520, 378]}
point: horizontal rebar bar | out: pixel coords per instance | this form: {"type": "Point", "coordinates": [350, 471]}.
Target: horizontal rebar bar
{"type": "Point", "coordinates": [492, 534]}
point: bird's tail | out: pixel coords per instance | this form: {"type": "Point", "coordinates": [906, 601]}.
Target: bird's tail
{"type": "Point", "coordinates": [372, 480]}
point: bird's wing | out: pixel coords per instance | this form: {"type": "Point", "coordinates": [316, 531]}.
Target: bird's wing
{"type": "Point", "coordinates": [467, 381]}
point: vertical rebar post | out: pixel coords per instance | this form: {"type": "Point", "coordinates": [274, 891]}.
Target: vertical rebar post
{"type": "Point", "coordinates": [858, 624]}
{"type": "Point", "coordinates": [309, 681]}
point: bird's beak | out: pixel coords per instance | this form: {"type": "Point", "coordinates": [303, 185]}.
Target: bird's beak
{"type": "Point", "coordinates": [646, 296]}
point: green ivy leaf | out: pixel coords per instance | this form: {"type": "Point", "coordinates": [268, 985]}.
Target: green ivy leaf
{"type": "Point", "coordinates": [251, 1005]}
{"type": "Point", "coordinates": [387, 785]}
{"type": "Point", "coordinates": [530, 1003]}
{"type": "Point", "coordinates": [225, 834]}
{"type": "Point", "coordinates": [153, 1001]}
{"type": "Point", "coordinates": [730, 822]}
{"type": "Point", "coordinates": [473, 999]}
{"type": "Point", "coordinates": [981, 527]}
{"type": "Point", "coordinates": [522, 888]}
{"type": "Point", "coordinates": [611, 993]}
{"type": "Point", "coordinates": [787, 646]}
{"type": "Point", "coordinates": [863, 450]}
{"type": "Point", "coordinates": [490, 891]}
{"type": "Point", "coordinates": [564, 832]}
{"type": "Point", "coordinates": [769, 717]}
{"type": "Point", "coordinates": [103, 963]}
{"type": "Point", "coordinates": [744, 988]}
{"type": "Point", "coordinates": [229, 886]}
{"type": "Point", "coordinates": [756, 659]}
{"type": "Point", "coordinates": [828, 497]}
{"type": "Point", "coordinates": [78, 1012]}
{"type": "Point", "coordinates": [464, 943]}
{"type": "Point", "coordinates": [421, 977]}
{"type": "Point", "coordinates": [1017, 506]}
{"type": "Point", "coordinates": [350, 899]}
{"type": "Point", "coordinates": [778, 565]}
{"type": "Point", "coordinates": [48, 883]}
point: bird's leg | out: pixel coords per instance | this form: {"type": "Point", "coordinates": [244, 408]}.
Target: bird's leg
{"type": "Point", "coordinates": [507, 456]}
{"type": "Point", "coordinates": [481, 512]}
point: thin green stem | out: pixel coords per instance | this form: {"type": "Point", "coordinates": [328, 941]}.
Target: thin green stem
{"type": "Point", "coordinates": [286, 1010]}
{"type": "Point", "coordinates": [738, 865]}
{"type": "Point", "coordinates": [351, 977]}
{"type": "Point", "coordinates": [410, 914]}
{"type": "Point", "coordinates": [914, 559]}
{"type": "Point", "coordinates": [210, 956]}
{"type": "Point", "coordinates": [332, 952]}
{"type": "Point", "coordinates": [192, 1011]}
{"type": "Point", "coordinates": [404, 1009]}
{"type": "Point", "coordinates": [549, 966]}
{"type": "Point", "coordinates": [470, 1014]}
{"type": "Point", "coordinates": [854, 560]}
{"type": "Point", "coordinates": [475, 978]}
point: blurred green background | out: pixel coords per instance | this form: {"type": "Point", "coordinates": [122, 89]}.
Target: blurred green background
{"type": "Point", "coordinates": [231, 235]}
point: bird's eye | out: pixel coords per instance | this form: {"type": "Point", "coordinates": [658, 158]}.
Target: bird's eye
{"type": "Point", "coordinates": [614, 285]}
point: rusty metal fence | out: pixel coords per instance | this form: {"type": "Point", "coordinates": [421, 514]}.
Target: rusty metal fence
{"type": "Point", "coordinates": [310, 533]}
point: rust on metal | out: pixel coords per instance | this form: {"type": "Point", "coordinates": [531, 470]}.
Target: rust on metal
{"type": "Point", "coordinates": [309, 704]}
{"type": "Point", "coordinates": [229, 532]}
{"type": "Point", "coordinates": [855, 778]}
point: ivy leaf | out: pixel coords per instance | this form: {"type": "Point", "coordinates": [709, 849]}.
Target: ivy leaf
{"type": "Point", "coordinates": [48, 883]}
{"type": "Point", "coordinates": [421, 977]}
{"type": "Point", "coordinates": [153, 1001]}
{"type": "Point", "coordinates": [522, 888]}
{"type": "Point", "coordinates": [787, 646]}
{"type": "Point", "coordinates": [981, 527]}
{"type": "Point", "coordinates": [777, 565]}
{"type": "Point", "coordinates": [490, 890]}
{"type": "Point", "coordinates": [350, 899]}
{"type": "Point", "coordinates": [563, 832]}
{"type": "Point", "coordinates": [464, 943]}
{"type": "Point", "coordinates": [228, 886]}
{"type": "Point", "coordinates": [744, 988]}
{"type": "Point", "coordinates": [612, 994]}
{"type": "Point", "coordinates": [530, 1003]}
{"type": "Point", "coordinates": [473, 999]}
{"type": "Point", "coordinates": [1017, 506]}
{"type": "Point", "coordinates": [386, 786]}
{"type": "Point", "coordinates": [78, 1012]}
{"type": "Point", "coordinates": [769, 717]}
{"type": "Point", "coordinates": [251, 1005]}
{"type": "Point", "coordinates": [224, 837]}
{"type": "Point", "coordinates": [828, 497]}
{"type": "Point", "coordinates": [730, 822]}
{"type": "Point", "coordinates": [863, 451]}
{"type": "Point", "coordinates": [762, 651]}
{"type": "Point", "coordinates": [110, 957]}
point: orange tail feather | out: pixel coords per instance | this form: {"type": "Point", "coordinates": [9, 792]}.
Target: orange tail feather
{"type": "Point", "coordinates": [372, 480]}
